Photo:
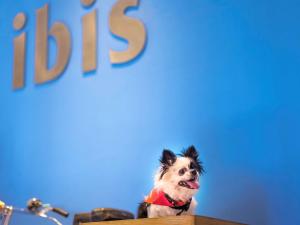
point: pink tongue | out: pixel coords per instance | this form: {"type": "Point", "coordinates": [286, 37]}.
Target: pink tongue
{"type": "Point", "coordinates": [193, 184]}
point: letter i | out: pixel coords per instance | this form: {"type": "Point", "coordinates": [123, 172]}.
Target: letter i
{"type": "Point", "coordinates": [89, 38]}
{"type": "Point", "coordinates": [19, 51]}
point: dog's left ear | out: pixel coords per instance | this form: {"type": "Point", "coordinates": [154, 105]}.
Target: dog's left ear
{"type": "Point", "coordinates": [191, 152]}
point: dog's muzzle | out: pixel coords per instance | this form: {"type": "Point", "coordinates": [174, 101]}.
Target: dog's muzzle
{"type": "Point", "coordinates": [190, 184]}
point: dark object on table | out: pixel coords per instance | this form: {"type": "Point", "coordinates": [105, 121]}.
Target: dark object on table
{"type": "Point", "coordinates": [82, 218]}
{"type": "Point", "coordinates": [107, 214]}
{"type": "Point", "coordinates": [102, 214]}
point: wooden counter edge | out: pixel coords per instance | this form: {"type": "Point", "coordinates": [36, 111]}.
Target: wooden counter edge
{"type": "Point", "coordinates": [171, 220]}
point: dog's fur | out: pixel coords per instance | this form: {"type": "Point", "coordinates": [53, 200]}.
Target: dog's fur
{"type": "Point", "coordinates": [178, 177]}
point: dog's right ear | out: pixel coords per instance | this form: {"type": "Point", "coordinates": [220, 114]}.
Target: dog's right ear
{"type": "Point", "coordinates": [167, 158]}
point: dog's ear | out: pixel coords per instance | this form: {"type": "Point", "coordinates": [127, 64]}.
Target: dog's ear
{"type": "Point", "coordinates": [167, 158]}
{"type": "Point", "coordinates": [191, 152]}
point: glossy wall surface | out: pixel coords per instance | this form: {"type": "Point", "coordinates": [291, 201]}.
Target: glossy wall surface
{"type": "Point", "coordinates": [220, 74]}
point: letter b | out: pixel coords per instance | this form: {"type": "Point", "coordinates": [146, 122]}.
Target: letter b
{"type": "Point", "coordinates": [63, 41]}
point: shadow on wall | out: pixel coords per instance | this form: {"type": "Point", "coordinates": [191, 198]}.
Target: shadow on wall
{"type": "Point", "coordinates": [250, 203]}
{"type": "Point", "coordinates": [244, 165]}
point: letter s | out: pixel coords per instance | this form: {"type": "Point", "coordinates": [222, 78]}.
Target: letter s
{"type": "Point", "coordinates": [127, 28]}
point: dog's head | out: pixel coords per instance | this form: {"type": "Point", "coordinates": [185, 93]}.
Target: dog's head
{"type": "Point", "coordinates": [178, 176]}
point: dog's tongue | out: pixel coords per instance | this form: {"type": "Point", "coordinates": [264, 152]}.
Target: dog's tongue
{"type": "Point", "coordinates": [193, 184]}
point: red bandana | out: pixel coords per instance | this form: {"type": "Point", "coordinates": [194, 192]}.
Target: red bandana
{"type": "Point", "coordinates": [158, 197]}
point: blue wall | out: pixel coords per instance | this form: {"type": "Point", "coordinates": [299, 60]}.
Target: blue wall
{"type": "Point", "coordinates": [222, 75]}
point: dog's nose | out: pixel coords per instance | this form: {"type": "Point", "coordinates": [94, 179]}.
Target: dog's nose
{"type": "Point", "coordinates": [194, 172]}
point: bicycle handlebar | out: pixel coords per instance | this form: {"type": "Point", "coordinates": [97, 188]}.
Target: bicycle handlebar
{"type": "Point", "coordinates": [34, 207]}
{"type": "Point", "coordinates": [60, 212]}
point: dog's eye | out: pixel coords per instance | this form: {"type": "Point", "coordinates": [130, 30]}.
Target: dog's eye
{"type": "Point", "coordinates": [182, 171]}
{"type": "Point", "coordinates": [192, 166]}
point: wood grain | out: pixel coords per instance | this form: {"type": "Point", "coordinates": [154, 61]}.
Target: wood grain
{"type": "Point", "coordinates": [172, 220]}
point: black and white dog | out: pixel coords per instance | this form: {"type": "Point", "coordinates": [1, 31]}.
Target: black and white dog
{"type": "Point", "coordinates": [175, 184]}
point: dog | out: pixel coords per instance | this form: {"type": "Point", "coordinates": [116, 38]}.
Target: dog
{"type": "Point", "coordinates": [175, 184]}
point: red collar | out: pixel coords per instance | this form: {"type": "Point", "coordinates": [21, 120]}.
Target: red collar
{"type": "Point", "coordinates": [158, 197]}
